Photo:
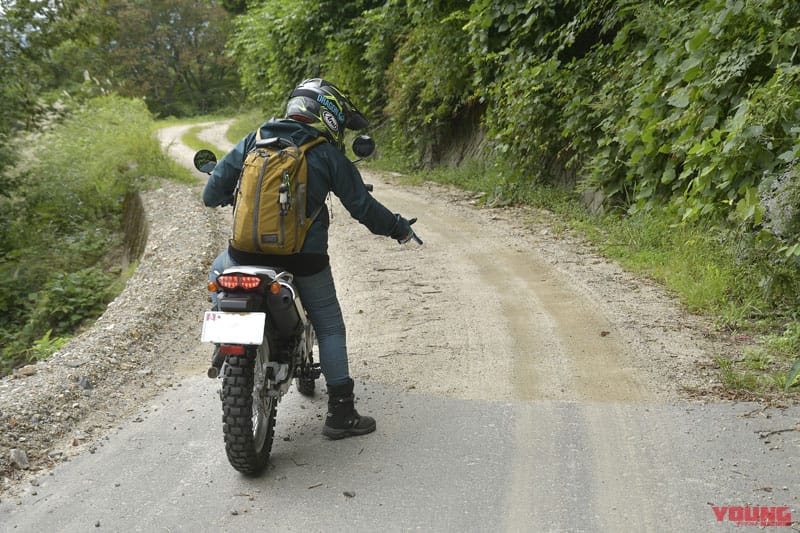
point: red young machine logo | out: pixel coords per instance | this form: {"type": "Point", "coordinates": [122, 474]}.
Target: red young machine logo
{"type": "Point", "coordinates": [754, 516]}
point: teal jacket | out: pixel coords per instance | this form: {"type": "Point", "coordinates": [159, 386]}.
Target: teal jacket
{"type": "Point", "coordinates": [328, 171]}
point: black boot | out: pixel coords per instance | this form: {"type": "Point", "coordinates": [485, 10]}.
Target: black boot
{"type": "Point", "coordinates": [343, 420]}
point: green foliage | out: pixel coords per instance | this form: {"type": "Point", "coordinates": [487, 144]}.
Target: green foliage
{"type": "Point", "coordinates": [191, 140]}
{"type": "Point", "coordinates": [279, 43]}
{"type": "Point", "coordinates": [169, 52]}
{"type": "Point", "coordinates": [29, 31]}
{"type": "Point", "coordinates": [235, 7]}
{"type": "Point", "coordinates": [46, 346]}
{"type": "Point", "coordinates": [386, 55]}
{"type": "Point", "coordinates": [700, 130]}
{"type": "Point", "coordinates": [688, 103]}
{"type": "Point", "coordinates": [360, 54]}
{"type": "Point", "coordinates": [535, 71]}
{"type": "Point", "coordinates": [424, 91]}
{"type": "Point", "coordinates": [259, 44]}
{"type": "Point", "coordinates": [62, 223]}
{"type": "Point", "coordinates": [770, 368]}
{"type": "Point", "coordinates": [243, 124]}
{"type": "Point", "coordinates": [788, 343]}
{"type": "Point", "coordinates": [793, 377]}
{"type": "Point", "coordinates": [699, 262]}
{"type": "Point", "coordinates": [70, 298]}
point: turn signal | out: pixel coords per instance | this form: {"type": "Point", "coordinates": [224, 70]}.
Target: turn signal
{"type": "Point", "coordinates": [275, 288]}
{"type": "Point", "coordinates": [212, 286]}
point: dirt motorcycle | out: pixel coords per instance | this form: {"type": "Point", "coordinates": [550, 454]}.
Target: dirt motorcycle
{"type": "Point", "coordinates": [263, 342]}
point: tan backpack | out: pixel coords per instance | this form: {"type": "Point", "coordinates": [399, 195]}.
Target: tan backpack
{"type": "Point", "coordinates": [270, 213]}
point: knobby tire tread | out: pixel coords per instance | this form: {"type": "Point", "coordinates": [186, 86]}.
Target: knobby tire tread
{"type": "Point", "coordinates": [305, 386]}
{"type": "Point", "coordinates": [237, 418]}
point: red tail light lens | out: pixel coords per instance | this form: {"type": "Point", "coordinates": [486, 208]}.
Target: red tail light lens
{"type": "Point", "coordinates": [238, 281]}
{"type": "Point", "coordinates": [228, 281]}
{"type": "Point", "coordinates": [249, 282]}
{"type": "Point", "coordinates": [231, 349]}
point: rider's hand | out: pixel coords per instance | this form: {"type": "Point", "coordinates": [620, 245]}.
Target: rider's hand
{"type": "Point", "coordinates": [406, 233]}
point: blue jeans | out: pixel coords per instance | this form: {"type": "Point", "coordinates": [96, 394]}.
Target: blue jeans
{"type": "Point", "coordinates": [318, 294]}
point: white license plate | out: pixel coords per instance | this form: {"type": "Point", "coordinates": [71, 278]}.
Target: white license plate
{"type": "Point", "coordinates": [233, 328]}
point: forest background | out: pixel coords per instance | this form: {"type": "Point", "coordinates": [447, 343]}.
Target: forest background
{"type": "Point", "coordinates": [666, 132]}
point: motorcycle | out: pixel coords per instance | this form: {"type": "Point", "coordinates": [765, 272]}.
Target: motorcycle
{"type": "Point", "coordinates": [264, 341]}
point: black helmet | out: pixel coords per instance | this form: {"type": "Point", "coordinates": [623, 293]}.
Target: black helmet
{"type": "Point", "coordinates": [321, 104]}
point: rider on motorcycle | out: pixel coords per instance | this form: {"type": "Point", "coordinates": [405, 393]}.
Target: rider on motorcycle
{"type": "Point", "coordinates": [316, 107]}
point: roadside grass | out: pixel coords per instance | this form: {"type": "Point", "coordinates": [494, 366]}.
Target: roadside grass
{"type": "Point", "coordinates": [245, 122]}
{"type": "Point", "coordinates": [62, 232]}
{"type": "Point", "coordinates": [711, 271]}
{"type": "Point", "coordinates": [191, 139]}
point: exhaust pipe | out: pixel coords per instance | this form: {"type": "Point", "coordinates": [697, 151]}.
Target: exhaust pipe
{"type": "Point", "coordinates": [216, 364]}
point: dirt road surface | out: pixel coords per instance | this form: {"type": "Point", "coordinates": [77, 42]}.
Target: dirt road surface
{"type": "Point", "coordinates": [520, 383]}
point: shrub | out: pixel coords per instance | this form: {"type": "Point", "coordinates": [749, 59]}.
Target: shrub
{"type": "Point", "coordinates": [62, 222]}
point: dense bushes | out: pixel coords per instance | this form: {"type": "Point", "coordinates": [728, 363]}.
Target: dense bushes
{"type": "Point", "coordinates": [278, 43]}
{"type": "Point", "coordinates": [61, 222]}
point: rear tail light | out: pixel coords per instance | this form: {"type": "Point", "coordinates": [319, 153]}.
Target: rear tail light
{"type": "Point", "coordinates": [231, 349]}
{"type": "Point", "coordinates": [244, 282]}
{"type": "Point", "coordinates": [249, 282]}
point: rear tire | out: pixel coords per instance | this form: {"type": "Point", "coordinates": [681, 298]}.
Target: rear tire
{"type": "Point", "coordinates": [248, 425]}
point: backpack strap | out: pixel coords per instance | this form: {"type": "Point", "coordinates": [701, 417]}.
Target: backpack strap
{"type": "Point", "coordinates": [304, 148]}
{"type": "Point", "coordinates": [313, 142]}
{"type": "Point", "coordinates": [283, 142]}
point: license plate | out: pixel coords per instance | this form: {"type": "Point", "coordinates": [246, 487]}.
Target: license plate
{"type": "Point", "coordinates": [233, 328]}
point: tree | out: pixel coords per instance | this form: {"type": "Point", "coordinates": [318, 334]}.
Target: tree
{"type": "Point", "coordinates": [281, 42]}
{"type": "Point", "coordinates": [29, 31]}
{"type": "Point", "coordinates": [235, 7]}
{"type": "Point", "coordinates": [171, 53]}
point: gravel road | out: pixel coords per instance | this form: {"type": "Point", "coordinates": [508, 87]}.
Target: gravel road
{"type": "Point", "coordinates": [494, 306]}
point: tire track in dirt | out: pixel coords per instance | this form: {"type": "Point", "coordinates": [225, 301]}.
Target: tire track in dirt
{"type": "Point", "coordinates": [520, 324]}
